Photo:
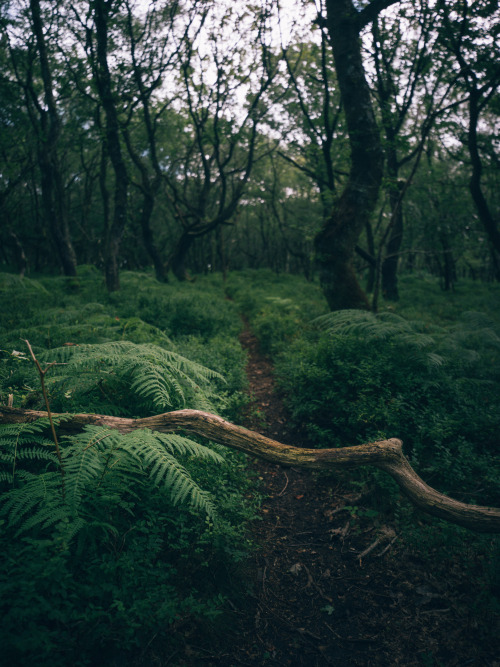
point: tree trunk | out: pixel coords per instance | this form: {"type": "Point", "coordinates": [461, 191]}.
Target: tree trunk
{"type": "Point", "coordinates": [448, 273]}
{"type": "Point", "coordinates": [178, 259]}
{"type": "Point", "coordinates": [386, 455]}
{"type": "Point", "coordinates": [53, 194]}
{"type": "Point", "coordinates": [221, 252]}
{"type": "Point", "coordinates": [103, 81]}
{"type": "Point", "coordinates": [390, 263]}
{"type": "Point", "coordinates": [19, 254]}
{"type": "Point", "coordinates": [337, 239]}
{"type": "Point", "coordinates": [369, 257]}
{"type": "Point", "coordinates": [148, 203]}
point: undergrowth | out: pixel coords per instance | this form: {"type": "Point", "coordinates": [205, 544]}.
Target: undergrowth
{"type": "Point", "coordinates": [131, 540]}
{"type": "Point", "coordinates": [142, 546]}
{"type": "Point", "coordinates": [279, 307]}
{"type": "Point", "coordinates": [425, 370]}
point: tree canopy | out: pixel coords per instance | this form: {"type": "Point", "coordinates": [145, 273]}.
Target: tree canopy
{"type": "Point", "coordinates": [331, 138]}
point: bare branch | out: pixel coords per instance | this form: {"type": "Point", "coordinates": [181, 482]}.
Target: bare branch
{"type": "Point", "coordinates": [386, 455]}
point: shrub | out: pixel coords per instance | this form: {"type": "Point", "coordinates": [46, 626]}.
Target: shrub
{"type": "Point", "coordinates": [368, 378]}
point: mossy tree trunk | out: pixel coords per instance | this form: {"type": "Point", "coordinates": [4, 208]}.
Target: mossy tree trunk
{"type": "Point", "coordinates": [336, 241]}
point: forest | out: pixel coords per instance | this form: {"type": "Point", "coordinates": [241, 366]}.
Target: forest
{"type": "Point", "coordinates": [250, 332]}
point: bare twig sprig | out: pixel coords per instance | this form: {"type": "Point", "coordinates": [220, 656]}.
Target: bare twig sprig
{"type": "Point", "coordinates": [42, 372]}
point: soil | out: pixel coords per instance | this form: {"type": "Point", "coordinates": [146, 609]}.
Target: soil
{"type": "Point", "coordinates": [331, 586]}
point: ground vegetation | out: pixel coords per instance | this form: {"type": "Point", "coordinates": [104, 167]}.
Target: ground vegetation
{"type": "Point", "coordinates": [184, 507]}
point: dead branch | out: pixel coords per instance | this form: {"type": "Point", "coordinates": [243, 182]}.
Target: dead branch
{"type": "Point", "coordinates": [386, 455]}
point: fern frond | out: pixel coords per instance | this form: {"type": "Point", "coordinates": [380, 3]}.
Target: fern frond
{"type": "Point", "coordinates": [45, 517]}
{"type": "Point", "coordinates": [31, 453]}
{"type": "Point", "coordinates": [10, 281]}
{"type": "Point", "coordinates": [35, 490]}
{"type": "Point", "coordinates": [81, 471]}
{"type": "Point", "coordinates": [164, 469]}
{"type": "Point", "coordinates": [164, 378]}
{"type": "Point", "coordinates": [152, 384]}
{"type": "Point", "coordinates": [473, 329]}
{"type": "Point", "coordinates": [182, 445]}
{"type": "Point", "coordinates": [20, 442]}
{"type": "Point", "coordinates": [384, 326]}
{"type": "Point", "coordinates": [74, 527]}
{"type": "Point", "coordinates": [28, 428]}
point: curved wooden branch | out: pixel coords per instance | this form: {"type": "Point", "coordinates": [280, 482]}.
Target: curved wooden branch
{"type": "Point", "coordinates": [385, 454]}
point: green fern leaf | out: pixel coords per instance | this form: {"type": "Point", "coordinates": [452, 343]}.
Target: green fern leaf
{"type": "Point", "coordinates": [162, 377]}
{"type": "Point", "coordinates": [164, 469]}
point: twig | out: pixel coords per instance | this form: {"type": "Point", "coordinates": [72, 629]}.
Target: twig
{"type": "Point", "coordinates": [386, 534]}
{"type": "Point", "coordinates": [284, 488]}
{"type": "Point", "coordinates": [49, 413]}
{"type": "Point", "coordinates": [311, 582]}
{"type": "Point", "coordinates": [384, 551]}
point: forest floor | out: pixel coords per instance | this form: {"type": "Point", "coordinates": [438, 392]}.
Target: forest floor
{"type": "Point", "coordinates": [330, 587]}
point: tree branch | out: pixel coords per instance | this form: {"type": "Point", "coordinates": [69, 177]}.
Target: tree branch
{"type": "Point", "coordinates": [371, 11]}
{"type": "Point", "coordinates": [386, 455]}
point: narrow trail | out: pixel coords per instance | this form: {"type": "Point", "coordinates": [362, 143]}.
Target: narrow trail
{"type": "Point", "coordinates": [331, 587]}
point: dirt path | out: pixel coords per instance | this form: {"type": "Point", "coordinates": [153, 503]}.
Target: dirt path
{"type": "Point", "coordinates": [324, 591]}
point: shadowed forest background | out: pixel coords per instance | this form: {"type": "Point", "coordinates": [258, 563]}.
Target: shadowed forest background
{"type": "Point", "coordinates": [185, 184]}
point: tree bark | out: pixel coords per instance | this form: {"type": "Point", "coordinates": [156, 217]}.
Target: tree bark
{"type": "Point", "coordinates": [177, 261]}
{"type": "Point", "coordinates": [19, 254]}
{"type": "Point", "coordinates": [336, 241]}
{"type": "Point", "coordinates": [53, 192]}
{"type": "Point", "coordinates": [103, 82]}
{"type": "Point", "coordinates": [386, 455]}
{"type": "Point", "coordinates": [148, 203]}
{"type": "Point", "coordinates": [390, 263]}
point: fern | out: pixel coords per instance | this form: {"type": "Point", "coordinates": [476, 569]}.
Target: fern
{"type": "Point", "coordinates": [24, 441]}
{"type": "Point", "coordinates": [101, 466]}
{"type": "Point", "coordinates": [474, 336]}
{"type": "Point", "coordinates": [163, 378]}
{"type": "Point", "coordinates": [471, 346]}
{"type": "Point", "coordinates": [385, 326]}
{"type": "Point", "coordinates": [165, 470]}
{"type": "Point", "coordinates": [39, 498]}
{"type": "Point", "coordinates": [9, 282]}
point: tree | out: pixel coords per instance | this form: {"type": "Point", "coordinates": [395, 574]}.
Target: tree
{"type": "Point", "coordinates": [401, 51]}
{"type": "Point", "coordinates": [103, 11]}
{"type": "Point", "coordinates": [32, 64]}
{"type": "Point", "coordinates": [277, 219]}
{"type": "Point", "coordinates": [150, 65]}
{"type": "Point", "coordinates": [221, 141]}
{"type": "Point", "coordinates": [413, 93]}
{"type": "Point", "coordinates": [336, 241]}
{"type": "Point", "coordinates": [312, 130]}
{"type": "Point", "coordinates": [97, 32]}
{"type": "Point", "coordinates": [470, 34]}
{"type": "Point", "coordinates": [16, 159]}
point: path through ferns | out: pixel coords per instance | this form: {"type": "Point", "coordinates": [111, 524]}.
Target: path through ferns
{"type": "Point", "coordinates": [336, 586]}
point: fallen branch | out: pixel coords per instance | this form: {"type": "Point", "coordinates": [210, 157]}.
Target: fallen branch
{"type": "Point", "coordinates": [386, 534]}
{"type": "Point", "coordinates": [386, 455]}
